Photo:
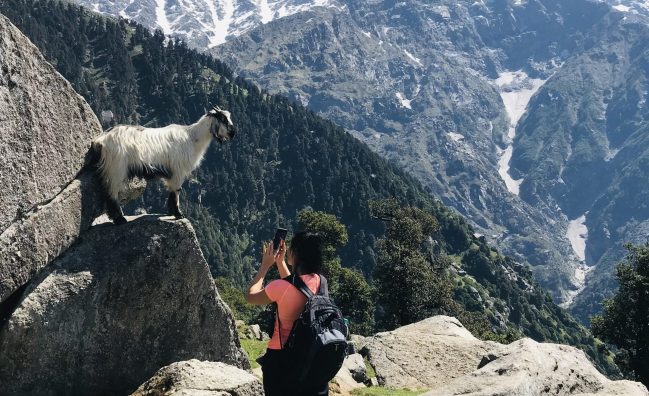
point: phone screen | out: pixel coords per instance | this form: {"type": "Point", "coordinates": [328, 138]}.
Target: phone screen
{"type": "Point", "coordinates": [280, 235]}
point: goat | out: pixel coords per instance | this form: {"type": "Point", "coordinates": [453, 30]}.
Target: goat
{"type": "Point", "coordinates": [170, 153]}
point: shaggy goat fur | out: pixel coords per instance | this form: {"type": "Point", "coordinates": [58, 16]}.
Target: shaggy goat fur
{"type": "Point", "coordinates": [171, 152]}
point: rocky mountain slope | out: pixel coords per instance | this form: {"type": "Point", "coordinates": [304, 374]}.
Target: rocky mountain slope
{"type": "Point", "coordinates": [116, 303]}
{"type": "Point", "coordinates": [205, 24]}
{"type": "Point", "coordinates": [458, 114]}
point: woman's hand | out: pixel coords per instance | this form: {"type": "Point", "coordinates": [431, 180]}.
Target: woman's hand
{"type": "Point", "coordinates": [280, 255]}
{"type": "Point", "coordinates": [280, 262]}
{"type": "Point", "coordinates": [268, 256]}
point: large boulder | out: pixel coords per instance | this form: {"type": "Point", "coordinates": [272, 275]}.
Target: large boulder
{"type": "Point", "coordinates": [196, 378]}
{"type": "Point", "coordinates": [108, 313]}
{"type": "Point", "coordinates": [440, 355]}
{"type": "Point", "coordinates": [45, 132]}
{"type": "Point", "coordinates": [426, 354]}
{"type": "Point", "coordinates": [46, 127]}
{"type": "Point", "coordinates": [528, 368]}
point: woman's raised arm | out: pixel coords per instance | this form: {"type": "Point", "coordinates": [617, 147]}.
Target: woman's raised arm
{"type": "Point", "coordinates": [281, 262]}
{"type": "Point", "coordinates": [256, 294]}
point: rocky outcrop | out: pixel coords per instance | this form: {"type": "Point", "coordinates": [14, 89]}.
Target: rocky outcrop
{"type": "Point", "coordinates": [46, 129]}
{"type": "Point", "coordinates": [254, 332]}
{"type": "Point", "coordinates": [526, 367]}
{"type": "Point", "coordinates": [426, 354]}
{"type": "Point", "coordinates": [198, 378]}
{"type": "Point", "coordinates": [355, 365]}
{"type": "Point", "coordinates": [352, 375]}
{"type": "Point", "coordinates": [32, 242]}
{"type": "Point", "coordinates": [439, 354]}
{"type": "Point", "coordinates": [121, 303]}
{"type": "Point", "coordinates": [46, 132]}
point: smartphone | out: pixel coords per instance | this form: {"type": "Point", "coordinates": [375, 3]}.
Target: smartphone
{"type": "Point", "coordinates": [280, 235]}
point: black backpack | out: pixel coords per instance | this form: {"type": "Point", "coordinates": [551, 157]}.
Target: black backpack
{"type": "Point", "coordinates": [317, 344]}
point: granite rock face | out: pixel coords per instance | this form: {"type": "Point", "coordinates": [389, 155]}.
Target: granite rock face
{"type": "Point", "coordinates": [106, 315]}
{"type": "Point", "coordinates": [196, 378]}
{"type": "Point", "coordinates": [526, 367]}
{"type": "Point", "coordinates": [32, 242]}
{"type": "Point", "coordinates": [46, 127]}
{"type": "Point", "coordinates": [440, 355]}
{"type": "Point", "coordinates": [48, 197]}
{"type": "Point", "coordinates": [426, 354]}
{"type": "Point", "coordinates": [45, 132]}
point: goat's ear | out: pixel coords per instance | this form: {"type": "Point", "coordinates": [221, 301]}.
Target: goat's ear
{"type": "Point", "coordinates": [217, 108]}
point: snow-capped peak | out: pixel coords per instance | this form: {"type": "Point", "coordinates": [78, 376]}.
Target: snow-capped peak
{"type": "Point", "coordinates": [204, 23]}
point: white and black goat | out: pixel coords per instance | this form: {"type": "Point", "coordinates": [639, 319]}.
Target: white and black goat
{"type": "Point", "coordinates": [170, 153]}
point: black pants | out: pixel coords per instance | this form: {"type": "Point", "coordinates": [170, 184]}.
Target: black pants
{"type": "Point", "coordinates": [279, 377]}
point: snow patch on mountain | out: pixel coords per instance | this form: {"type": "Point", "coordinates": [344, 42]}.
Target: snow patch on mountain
{"type": "Point", "coordinates": [579, 281]}
{"type": "Point", "coordinates": [516, 89]}
{"type": "Point", "coordinates": [456, 137]}
{"type": "Point", "coordinates": [160, 17]}
{"type": "Point", "coordinates": [404, 102]}
{"type": "Point", "coordinates": [264, 10]}
{"type": "Point", "coordinates": [512, 184]}
{"type": "Point", "coordinates": [636, 7]}
{"type": "Point", "coordinates": [622, 8]}
{"type": "Point", "coordinates": [577, 234]}
{"type": "Point", "coordinates": [413, 58]}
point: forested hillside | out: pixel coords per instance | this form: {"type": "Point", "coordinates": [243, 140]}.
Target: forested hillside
{"type": "Point", "coordinates": [527, 117]}
{"type": "Point", "coordinates": [283, 159]}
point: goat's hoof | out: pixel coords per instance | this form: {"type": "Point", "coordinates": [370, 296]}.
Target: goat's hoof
{"type": "Point", "coordinates": [177, 214]}
{"type": "Point", "coordinates": [120, 221]}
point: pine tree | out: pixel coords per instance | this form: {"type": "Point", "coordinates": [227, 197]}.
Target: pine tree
{"type": "Point", "coordinates": [408, 287]}
{"type": "Point", "coordinates": [624, 321]}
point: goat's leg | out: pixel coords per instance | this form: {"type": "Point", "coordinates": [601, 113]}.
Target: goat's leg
{"type": "Point", "coordinates": [173, 204]}
{"type": "Point", "coordinates": [112, 184]}
{"type": "Point", "coordinates": [114, 211]}
{"type": "Point", "coordinates": [174, 184]}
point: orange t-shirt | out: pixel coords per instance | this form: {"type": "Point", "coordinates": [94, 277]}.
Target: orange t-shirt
{"type": "Point", "coordinates": [290, 304]}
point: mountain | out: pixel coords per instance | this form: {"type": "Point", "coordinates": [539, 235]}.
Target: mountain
{"type": "Point", "coordinates": [456, 93]}
{"type": "Point", "coordinates": [204, 24]}
{"type": "Point", "coordinates": [438, 120]}
{"type": "Point", "coordinates": [406, 80]}
{"type": "Point", "coordinates": [593, 111]}
{"type": "Point", "coordinates": [284, 158]}
{"type": "Point", "coordinates": [459, 94]}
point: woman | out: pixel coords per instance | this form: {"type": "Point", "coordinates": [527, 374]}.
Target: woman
{"type": "Point", "coordinates": [305, 258]}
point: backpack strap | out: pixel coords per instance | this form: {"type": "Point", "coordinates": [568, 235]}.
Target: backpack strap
{"type": "Point", "coordinates": [300, 285]}
{"type": "Point", "coordinates": [323, 289]}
